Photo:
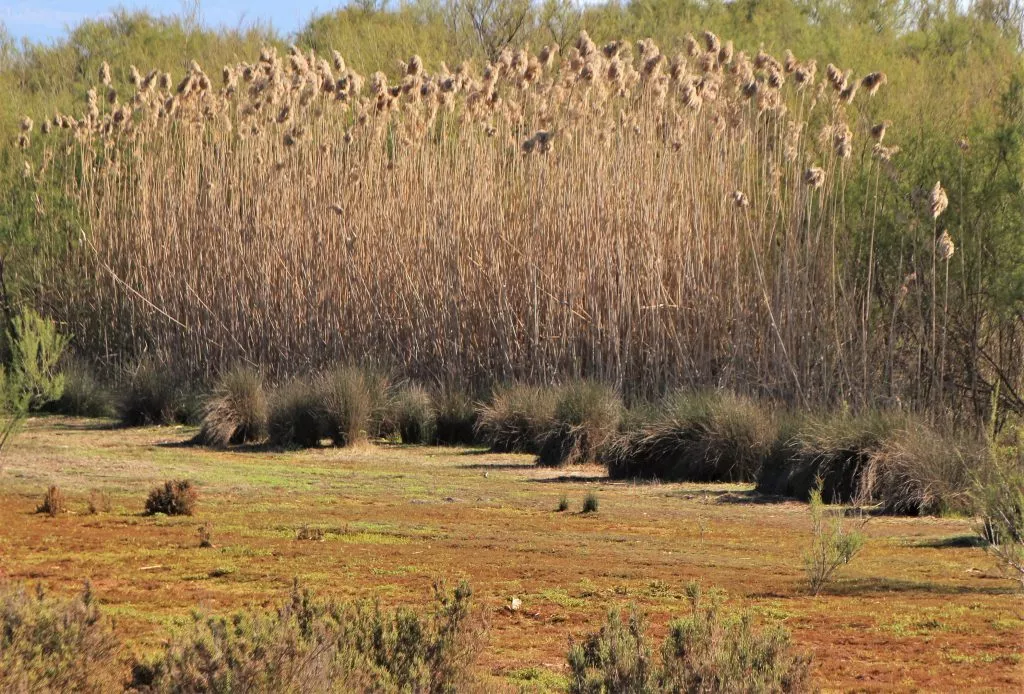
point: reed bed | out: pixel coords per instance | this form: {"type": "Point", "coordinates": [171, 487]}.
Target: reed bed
{"type": "Point", "coordinates": [613, 213]}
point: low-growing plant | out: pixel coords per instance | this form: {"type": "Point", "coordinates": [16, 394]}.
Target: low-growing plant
{"type": "Point", "coordinates": [54, 503]}
{"type": "Point", "coordinates": [456, 418]}
{"type": "Point", "coordinates": [563, 503]}
{"type": "Point", "coordinates": [236, 412]}
{"type": "Point", "coordinates": [585, 419]}
{"type": "Point", "coordinates": [516, 417]}
{"type": "Point", "coordinates": [309, 534]}
{"type": "Point", "coordinates": [56, 645]}
{"type": "Point", "coordinates": [707, 651]}
{"type": "Point", "coordinates": [36, 347]}
{"type": "Point", "coordinates": [310, 644]}
{"type": "Point", "coordinates": [295, 415]}
{"type": "Point", "coordinates": [354, 401]}
{"type": "Point", "coordinates": [205, 532]}
{"type": "Point", "coordinates": [700, 437]}
{"type": "Point", "coordinates": [412, 414]}
{"type": "Point", "coordinates": [83, 395]}
{"type": "Point", "coordinates": [151, 396]}
{"type": "Point", "coordinates": [999, 496]}
{"type": "Point", "coordinates": [99, 502]}
{"type": "Point", "coordinates": [590, 503]}
{"type": "Point", "coordinates": [833, 545]}
{"type": "Point", "coordinates": [174, 498]}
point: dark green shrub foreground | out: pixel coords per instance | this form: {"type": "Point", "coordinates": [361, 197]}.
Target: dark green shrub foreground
{"type": "Point", "coordinates": [456, 418]}
{"type": "Point", "coordinates": [295, 415]}
{"type": "Point", "coordinates": [316, 645]}
{"type": "Point", "coordinates": [174, 498]}
{"type": "Point", "coordinates": [696, 437]}
{"type": "Point", "coordinates": [708, 651]}
{"type": "Point", "coordinates": [237, 410]}
{"type": "Point", "coordinates": [516, 417]}
{"type": "Point", "coordinates": [55, 645]}
{"type": "Point", "coordinates": [586, 417]}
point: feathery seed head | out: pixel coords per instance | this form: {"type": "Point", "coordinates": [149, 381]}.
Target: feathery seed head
{"type": "Point", "coordinates": [938, 200]}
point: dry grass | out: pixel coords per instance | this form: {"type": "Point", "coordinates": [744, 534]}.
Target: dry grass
{"type": "Point", "coordinates": [237, 411]}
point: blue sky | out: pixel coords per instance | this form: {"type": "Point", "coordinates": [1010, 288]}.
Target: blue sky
{"type": "Point", "coordinates": [45, 20]}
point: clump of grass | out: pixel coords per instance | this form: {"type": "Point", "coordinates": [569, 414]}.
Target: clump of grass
{"type": "Point", "coordinates": [353, 401]}
{"type": "Point", "coordinates": [585, 419]}
{"type": "Point", "coordinates": [709, 650]}
{"type": "Point", "coordinates": [205, 532]}
{"type": "Point", "coordinates": [590, 503]}
{"type": "Point", "coordinates": [151, 396]}
{"type": "Point", "coordinates": [99, 502]}
{"type": "Point", "coordinates": [412, 414]}
{"type": "Point", "coordinates": [999, 497]}
{"type": "Point", "coordinates": [174, 498]}
{"type": "Point", "coordinates": [699, 437]}
{"type": "Point", "coordinates": [515, 418]}
{"type": "Point", "coordinates": [325, 646]}
{"type": "Point", "coordinates": [295, 415]}
{"type": "Point", "coordinates": [456, 418]}
{"type": "Point", "coordinates": [309, 534]}
{"type": "Point", "coordinates": [563, 503]}
{"type": "Point", "coordinates": [56, 645]}
{"type": "Point", "coordinates": [237, 410]}
{"type": "Point", "coordinates": [83, 395]}
{"type": "Point", "coordinates": [832, 545]}
{"type": "Point", "coordinates": [54, 502]}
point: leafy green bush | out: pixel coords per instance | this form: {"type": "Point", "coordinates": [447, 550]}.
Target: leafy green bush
{"type": "Point", "coordinates": [315, 645]}
{"type": "Point", "coordinates": [516, 417]}
{"type": "Point", "coordinates": [412, 414]}
{"type": "Point", "coordinates": [295, 417]}
{"type": "Point", "coordinates": [237, 411]}
{"type": "Point", "coordinates": [585, 419]}
{"type": "Point", "coordinates": [354, 401]}
{"type": "Point", "coordinates": [832, 545]}
{"type": "Point", "coordinates": [174, 498]}
{"type": "Point", "coordinates": [456, 418]}
{"type": "Point", "coordinates": [56, 645]}
{"type": "Point", "coordinates": [710, 436]}
{"type": "Point", "coordinates": [32, 378]}
{"type": "Point", "coordinates": [707, 651]}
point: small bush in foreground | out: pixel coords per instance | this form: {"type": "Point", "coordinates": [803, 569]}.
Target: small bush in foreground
{"type": "Point", "coordinates": [412, 414]}
{"type": "Point", "coordinates": [53, 503]}
{"type": "Point", "coordinates": [1000, 501]}
{"type": "Point", "coordinates": [586, 417]}
{"type": "Point", "coordinates": [84, 395]}
{"type": "Point", "coordinates": [174, 498]}
{"type": "Point", "coordinates": [354, 401]}
{"type": "Point", "coordinates": [237, 411]}
{"type": "Point", "coordinates": [563, 503]}
{"type": "Point", "coordinates": [295, 415]}
{"type": "Point", "coordinates": [707, 651]}
{"type": "Point", "coordinates": [516, 417]}
{"type": "Point", "coordinates": [455, 423]}
{"type": "Point", "coordinates": [151, 396]}
{"type": "Point", "coordinates": [36, 348]}
{"type": "Point", "coordinates": [99, 502]}
{"type": "Point", "coordinates": [55, 645]}
{"type": "Point", "coordinates": [832, 546]}
{"type": "Point", "coordinates": [590, 503]}
{"type": "Point", "coordinates": [314, 645]}
{"type": "Point", "coordinates": [699, 437]}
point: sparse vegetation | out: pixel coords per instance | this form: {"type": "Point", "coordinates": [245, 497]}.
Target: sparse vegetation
{"type": "Point", "coordinates": [236, 412]}
{"type": "Point", "coordinates": [1000, 502]}
{"type": "Point", "coordinates": [586, 417]}
{"type": "Point", "coordinates": [174, 498]}
{"type": "Point", "coordinates": [590, 503]}
{"type": "Point", "coordinates": [99, 502]}
{"type": "Point", "coordinates": [708, 651]}
{"type": "Point", "coordinates": [832, 545]}
{"type": "Point", "coordinates": [151, 396]}
{"type": "Point", "coordinates": [83, 395]}
{"type": "Point", "coordinates": [53, 503]}
{"type": "Point", "coordinates": [563, 503]}
{"type": "Point", "coordinates": [412, 412]}
{"type": "Point", "coordinates": [205, 532]}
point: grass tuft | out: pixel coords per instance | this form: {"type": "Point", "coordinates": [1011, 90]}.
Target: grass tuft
{"type": "Point", "coordinates": [174, 498]}
{"type": "Point", "coordinates": [295, 415]}
{"type": "Point", "coordinates": [586, 417]}
{"type": "Point", "coordinates": [236, 413]}
{"type": "Point", "coordinates": [516, 417]}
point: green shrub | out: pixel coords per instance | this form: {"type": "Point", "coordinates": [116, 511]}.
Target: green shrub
{"type": "Point", "coordinates": [295, 417]}
{"type": "Point", "coordinates": [563, 503]}
{"type": "Point", "coordinates": [237, 411]}
{"type": "Point", "coordinates": [832, 545]}
{"type": "Point", "coordinates": [56, 645]}
{"type": "Point", "coordinates": [174, 498]}
{"type": "Point", "coordinates": [697, 437]}
{"type": "Point", "coordinates": [516, 417]}
{"type": "Point", "coordinates": [83, 395]}
{"type": "Point", "coordinates": [412, 414]}
{"type": "Point", "coordinates": [315, 645]}
{"type": "Point", "coordinates": [354, 402]}
{"type": "Point", "coordinates": [32, 377]}
{"type": "Point", "coordinates": [53, 503]}
{"type": "Point", "coordinates": [590, 503]}
{"type": "Point", "coordinates": [456, 418]}
{"type": "Point", "coordinates": [708, 651]}
{"type": "Point", "coordinates": [999, 497]}
{"type": "Point", "coordinates": [586, 417]}
{"type": "Point", "coordinates": [151, 396]}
